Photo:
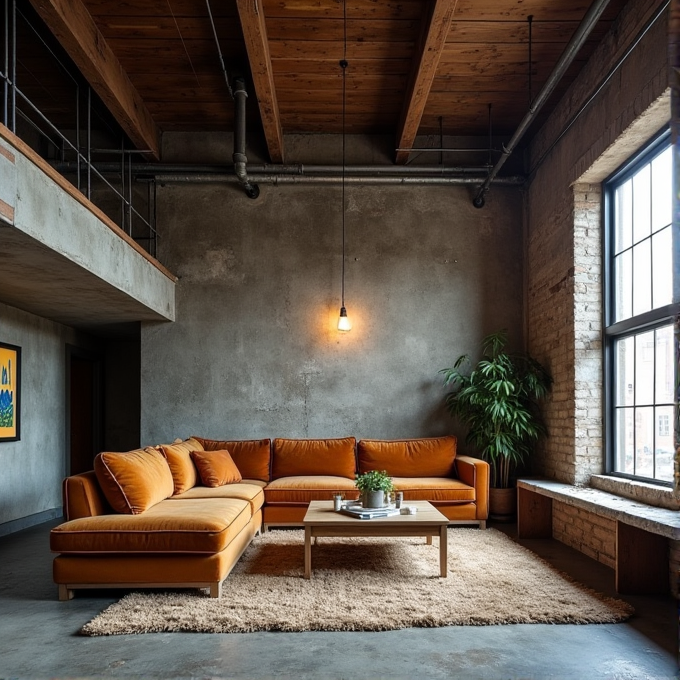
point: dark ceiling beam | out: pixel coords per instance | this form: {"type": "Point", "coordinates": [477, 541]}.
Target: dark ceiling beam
{"type": "Point", "coordinates": [436, 24]}
{"type": "Point", "coordinates": [255, 34]}
{"type": "Point", "coordinates": [75, 29]}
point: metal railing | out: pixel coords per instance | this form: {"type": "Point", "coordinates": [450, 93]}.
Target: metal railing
{"type": "Point", "coordinates": [90, 181]}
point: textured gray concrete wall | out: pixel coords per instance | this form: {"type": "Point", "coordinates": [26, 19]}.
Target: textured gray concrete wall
{"type": "Point", "coordinates": [254, 351]}
{"type": "Point", "coordinates": [32, 468]}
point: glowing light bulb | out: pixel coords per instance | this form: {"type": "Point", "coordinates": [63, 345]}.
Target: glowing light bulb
{"type": "Point", "coordinates": [344, 323]}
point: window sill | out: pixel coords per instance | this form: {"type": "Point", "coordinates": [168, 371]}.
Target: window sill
{"type": "Point", "coordinates": [651, 494]}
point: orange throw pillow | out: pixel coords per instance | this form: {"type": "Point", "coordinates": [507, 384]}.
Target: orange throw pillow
{"type": "Point", "coordinates": [216, 468]}
{"type": "Point", "coordinates": [134, 481]}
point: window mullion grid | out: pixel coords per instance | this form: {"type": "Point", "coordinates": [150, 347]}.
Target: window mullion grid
{"type": "Point", "coordinates": [635, 420]}
{"type": "Point", "coordinates": [655, 317]}
{"type": "Point", "coordinates": [654, 402]}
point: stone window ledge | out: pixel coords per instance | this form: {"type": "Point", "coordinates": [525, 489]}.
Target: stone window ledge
{"type": "Point", "coordinates": [651, 494]}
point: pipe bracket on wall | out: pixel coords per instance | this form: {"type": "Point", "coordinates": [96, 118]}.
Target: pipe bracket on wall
{"type": "Point", "coordinates": [239, 156]}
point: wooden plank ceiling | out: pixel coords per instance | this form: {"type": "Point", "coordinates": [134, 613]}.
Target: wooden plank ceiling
{"type": "Point", "coordinates": [415, 66]}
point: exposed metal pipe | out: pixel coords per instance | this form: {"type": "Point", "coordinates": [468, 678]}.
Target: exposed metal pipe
{"type": "Point", "coordinates": [570, 52]}
{"type": "Point", "coordinates": [326, 179]}
{"type": "Point", "coordinates": [219, 49]}
{"type": "Point", "coordinates": [619, 62]}
{"type": "Point", "coordinates": [276, 169]}
{"type": "Point", "coordinates": [239, 156]}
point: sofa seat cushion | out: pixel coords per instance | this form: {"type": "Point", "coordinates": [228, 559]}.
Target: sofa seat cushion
{"type": "Point", "coordinates": [251, 492]}
{"type": "Point", "coordinates": [201, 526]}
{"type": "Point", "coordinates": [252, 456]}
{"type": "Point", "coordinates": [434, 489]}
{"type": "Point", "coordinates": [302, 490]}
{"type": "Point", "coordinates": [296, 457]}
{"type": "Point", "coordinates": [430, 457]}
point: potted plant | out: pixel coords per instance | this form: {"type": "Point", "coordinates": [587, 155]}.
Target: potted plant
{"type": "Point", "coordinates": [497, 400]}
{"type": "Point", "coordinates": [373, 486]}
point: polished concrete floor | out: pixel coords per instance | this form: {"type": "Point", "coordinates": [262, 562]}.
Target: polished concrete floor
{"type": "Point", "coordinates": [38, 638]}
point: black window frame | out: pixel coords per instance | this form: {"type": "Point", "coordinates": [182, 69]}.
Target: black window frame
{"type": "Point", "coordinates": [647, 321]}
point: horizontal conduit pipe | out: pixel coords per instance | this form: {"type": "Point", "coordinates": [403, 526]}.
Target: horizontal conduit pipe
{"type": "Point", "coordinates": [325, 179]}
{"type": "Point", "coordinates": [273, 169]}
{"type": "Point", "coordinates": [570, 52]}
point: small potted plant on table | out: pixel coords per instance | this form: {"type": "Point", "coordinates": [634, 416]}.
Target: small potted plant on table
{"type": "Point", "coordinates": [373, 486]}
{"type": "Point", "coordinates": [497, 400]}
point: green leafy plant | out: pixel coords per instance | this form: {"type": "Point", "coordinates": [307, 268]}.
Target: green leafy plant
{"type": "Point", "coordinates": [374, 481]}
{"type": "Point", "coordinates": [497, 400]}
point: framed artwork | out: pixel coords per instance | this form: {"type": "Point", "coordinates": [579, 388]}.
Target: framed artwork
{"type": "Point", "coordinates": [10, 392]}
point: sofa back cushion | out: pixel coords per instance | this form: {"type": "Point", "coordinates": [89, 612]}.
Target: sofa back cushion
{"type": "Point", "coordinates": [134, 481]}
{"type": "Point", "coordinates": [216, 468]}
{"type": "Point", "coordinates": [329, 457]}
{"type": "Point", "coordinates": [183, 470]}
{"type": "Point", "coordinates": [252, 457]}
{"type": "Point", "coordinates": [432, 457]}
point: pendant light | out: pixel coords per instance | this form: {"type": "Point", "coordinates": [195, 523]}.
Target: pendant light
{"type": "Point", "coordinates": [344, 323]}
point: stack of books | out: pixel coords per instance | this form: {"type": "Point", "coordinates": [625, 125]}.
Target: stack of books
{"type": "Point", "coordinates": [358, 511]}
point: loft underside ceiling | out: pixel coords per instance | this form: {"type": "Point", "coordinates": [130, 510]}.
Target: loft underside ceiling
{"type": "Point", "coordinates": [37, 279]}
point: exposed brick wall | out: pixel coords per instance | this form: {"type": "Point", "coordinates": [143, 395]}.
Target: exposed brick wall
{"type": "Point", "coordinates": [586, 532]}
{"type": "Point", "coordinates": [563, 284]}
{"type": "Point", "coordinates": [595, 536]}
{"type": "Point", "coordinates": [588, 389]}
{"type": "Point", "coordinates": [674, 565]}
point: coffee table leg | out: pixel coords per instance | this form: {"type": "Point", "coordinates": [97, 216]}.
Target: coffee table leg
{"type": "Point", "coordinates": [443, 556]}
{"type": "Point", "coordinates": [308, 552]}
{"type": "Point", "coordinates": [429, 540]}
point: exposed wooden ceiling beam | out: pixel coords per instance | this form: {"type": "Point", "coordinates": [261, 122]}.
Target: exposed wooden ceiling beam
{"type": "Point", "coordinates": [75, 29]}
{"type": "Point", "coordinates": [255, 34]}
{"type": "Point", "coordinates": [436, 25]}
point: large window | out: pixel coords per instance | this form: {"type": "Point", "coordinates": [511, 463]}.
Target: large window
{"type": "Point", "coordinates": [639, 348]}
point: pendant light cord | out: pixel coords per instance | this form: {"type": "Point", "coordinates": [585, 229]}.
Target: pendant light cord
{"type": "Point", "coordinates": [343, 65]}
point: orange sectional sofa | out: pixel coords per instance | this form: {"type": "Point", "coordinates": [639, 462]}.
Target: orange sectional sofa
{"type": "Point", "coordinates": [180, 515]}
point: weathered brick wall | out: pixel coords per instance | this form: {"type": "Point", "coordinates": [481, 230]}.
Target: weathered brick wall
{"type": "Point", "coordinates": [588, 533]}
{"type": "Point", "coordinates": [595, 536]}
{"type": "Point", "coordinates": [564, 307]}
{"type": "Point", "coordinates": [674, 565]}
{"type": "Point", "coordinates": [588, 388]}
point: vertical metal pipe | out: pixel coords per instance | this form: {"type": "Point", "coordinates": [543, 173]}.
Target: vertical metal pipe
{"type": "Point", "coordinates": [239, 157]}
{"type": "Point", "coordinates": [129, 206]}
{"type": "Point", "coordinates": [122, 182]}
{"type": "Point", "coordinates": [13, 108]}
{"type": "Point", "coordinates": [78, 155]}
{"type": "Point", "coordinates": [5, 108]}
{"type": "Point", "coordinates": [153, 219]}
{"type": "Point", "coordinates": [570, 52]}
{"type": "Point", "coordinates": [530, 19]}
{"type": "Point", "coordinates": [89, 142]}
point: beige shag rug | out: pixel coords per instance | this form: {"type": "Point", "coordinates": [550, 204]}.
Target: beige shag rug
{"type": "Point", "coordinates": [369, 584]}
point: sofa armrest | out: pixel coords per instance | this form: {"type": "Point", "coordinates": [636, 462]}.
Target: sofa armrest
{"type": "Point", "coordinates": [475, 472]}
{"type": "Point", "coordinates": [83, 497]}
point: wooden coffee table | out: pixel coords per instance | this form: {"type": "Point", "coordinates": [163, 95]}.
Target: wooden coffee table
{"type": "Point", "coordinates": [322, 520]}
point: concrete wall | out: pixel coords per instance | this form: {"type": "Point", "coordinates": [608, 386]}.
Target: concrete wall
{"type": "Point", "coordinates": [254, 351]}
{"type": "Point", "coordinates": [32, 468]}
{"type": "Point", "coordinates": [564, 302]}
